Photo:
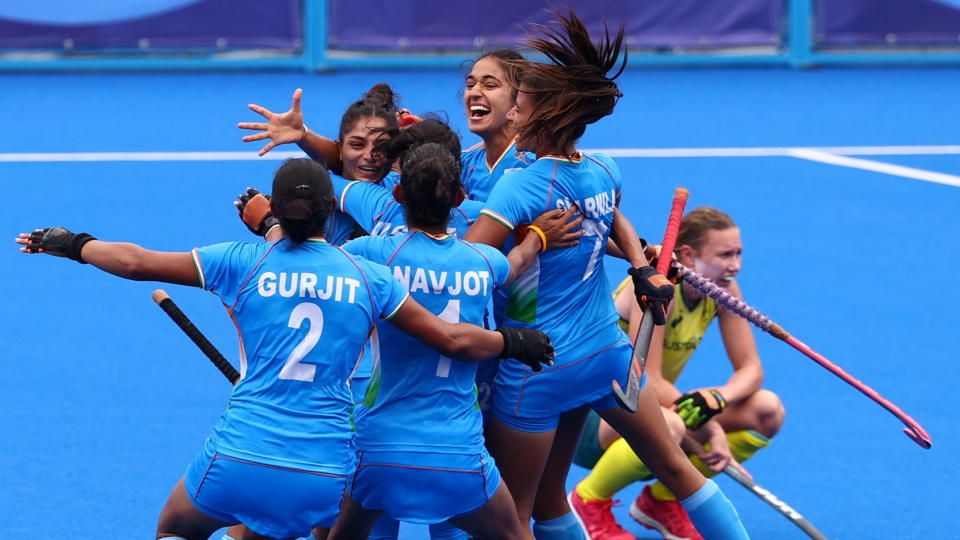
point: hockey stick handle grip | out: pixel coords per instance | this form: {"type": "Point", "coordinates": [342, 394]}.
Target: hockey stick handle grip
{"type": "Point", "coordinates": [170, 308]}
{"type": "Point", "coordinates": [680, 196]}
{"type": "Point", "coordinates": [731, 302]}
{"type": "Point", "coordinates": [913, 430]}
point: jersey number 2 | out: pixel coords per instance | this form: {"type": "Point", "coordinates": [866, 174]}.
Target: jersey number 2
{"type": "Point", "coordinates": [292, 368]}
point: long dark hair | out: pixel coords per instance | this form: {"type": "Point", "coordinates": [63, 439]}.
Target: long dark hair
{"type": "Point", "coordinates": [302, 198]}
{"type": "Point", "coordinates": [378, 102]}
{"type": "Point", "coordinates": [430, 181]}
{"type": "Point", "coordinates": [573, 90]}
{"type": "Point", "coordinates": [431, 129]}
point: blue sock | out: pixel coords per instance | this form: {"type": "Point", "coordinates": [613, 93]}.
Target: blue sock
{"type": "Point", "coordinates": [446, 531]}
{"type": "Point", "coordinates": [713, 515]}
{"type": "Point", "coordinates": [565, 527]}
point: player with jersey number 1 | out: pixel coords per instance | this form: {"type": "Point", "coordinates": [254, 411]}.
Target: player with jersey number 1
{"type": "Point", "coordinates": [566, 294]}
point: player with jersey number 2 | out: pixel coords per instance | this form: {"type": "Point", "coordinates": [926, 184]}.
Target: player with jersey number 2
{"type": "Point", "coordinates": [566, 294]}
{"type": "Point", "coordinates": [279, 459]}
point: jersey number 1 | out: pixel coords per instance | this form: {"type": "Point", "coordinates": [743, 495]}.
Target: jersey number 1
{"type": "Point", "coordinates": [450, 314]}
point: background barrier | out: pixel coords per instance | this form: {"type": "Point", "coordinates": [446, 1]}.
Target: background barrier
{"type": "Point", "coordinates": [318, 35]}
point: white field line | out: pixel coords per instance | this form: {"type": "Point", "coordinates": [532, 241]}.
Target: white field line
{"type": "Point", "coordinates": [39, 157]}
{"type": "Point", "coordinates": [143, 156]}
{"type": "Point", "coordinates": [783, 151]}
{"type": "Point", "coordinates": [876, 166]}
{"type": "Point", "coordinates": [833, 155]}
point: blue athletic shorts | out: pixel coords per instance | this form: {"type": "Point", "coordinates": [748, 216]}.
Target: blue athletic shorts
{"type": "Point", "coordinates": [424, 487]}
{"type": "Point", "coordinates": [270, 500]}
{"type": "Point", "coordinates": [532, 401]}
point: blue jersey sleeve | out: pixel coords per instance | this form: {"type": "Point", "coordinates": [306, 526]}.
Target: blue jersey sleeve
{"type": "Point", "coordinates": [222, 268]}
{"type": "Point", "coordinates": [365, 202]}
{"type": "Point", "coordinates": [388, 292]}
{"type": "Point", "coordinates": [339, 183]}
{"type": "Point", "coordinates": [391, 179]}
{"type": "Point", "coordinates": [498, 263]}
{"type": "Point", "coordinates": [518, 198]}
{"type": "Point", "coordinates": [610, 165]}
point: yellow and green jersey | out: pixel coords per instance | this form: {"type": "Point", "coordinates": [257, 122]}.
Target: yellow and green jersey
{"type": "Point", "coordinates": [683, 332]}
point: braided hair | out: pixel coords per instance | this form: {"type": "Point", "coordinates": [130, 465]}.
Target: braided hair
{"type": "Point", "coordinates": [432, 129]}
{"type": "Point", "coordinates": [430, 182]}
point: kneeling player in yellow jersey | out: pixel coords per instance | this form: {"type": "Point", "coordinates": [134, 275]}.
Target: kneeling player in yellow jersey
{"type": "Point", "coordinates": [733, 419]}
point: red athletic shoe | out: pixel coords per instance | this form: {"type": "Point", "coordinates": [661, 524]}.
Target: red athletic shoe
{"type": "Point", "coordinates": [596, 519]}
{"type": "Point", "coordinates": [668, 517]}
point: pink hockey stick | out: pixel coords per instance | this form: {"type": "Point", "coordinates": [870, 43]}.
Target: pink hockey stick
{"type": "Point", "coordinates": [913, 430]}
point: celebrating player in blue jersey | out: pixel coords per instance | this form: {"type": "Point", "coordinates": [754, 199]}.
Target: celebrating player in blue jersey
{"type": "Point", "coordinates": [374, 207]}
{"type": "Point", "coordinates": [366, 123]}
{"type": "Point", "coordinates": [489, 94]}
{"type": "Point", "coordinates": [279, 458]}
{"type": "Point", "coordinates": [420, 444]}
{"type": "Point", "coordinates": [566, 294]}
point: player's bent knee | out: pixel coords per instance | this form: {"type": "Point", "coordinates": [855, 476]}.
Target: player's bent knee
{"type": "Point", "coordinates": [770, 412]}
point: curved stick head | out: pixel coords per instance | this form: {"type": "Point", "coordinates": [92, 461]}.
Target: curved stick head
{"type": "Point", "coordinates": [919, 436]}
{"type": "Point", "coordinates": [629, 399]}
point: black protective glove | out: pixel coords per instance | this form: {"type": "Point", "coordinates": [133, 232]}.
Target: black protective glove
{"type": "Point", "coordinates": [693, 408]}
{"type": "Point", "coordinates": [532, 347]}
{"type": "Point", "coordinates": [652, 290]}
{"type": "Point", "coordinates": [58, 241]}
{"type": "Point", "coordinates": [254, 210]}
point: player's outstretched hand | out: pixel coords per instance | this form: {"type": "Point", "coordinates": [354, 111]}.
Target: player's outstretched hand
{"type": "Point", "coordinates": [55, 241]}
{"type": "Point", "coordinates": [653, 291]}
{"type": "Point", "coordinates": [532, 347]}
{"type": "Point", "coordinates": [253, 208]}
{"type": "Point", "coordinates": [280, 128]}
{"type": "Point", "coordinates": [560, 227]}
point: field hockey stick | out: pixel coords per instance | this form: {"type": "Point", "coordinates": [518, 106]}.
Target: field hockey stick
{"type": "Point", "coordinates": [641, 344]}
{"type": "Point", "coordinates": [766, 496]}
{"type": "Point", "coordinates": [166, 304]}
{"type": "Point", "coordinates": [913, 430]}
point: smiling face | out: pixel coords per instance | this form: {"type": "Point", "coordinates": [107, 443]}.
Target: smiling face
{"type": "Point", "coordinates": [719, 256]}
{"type": "Point", "coordinates": [487, 98]}
{"type": "Point", "coordinates": [360, 161]}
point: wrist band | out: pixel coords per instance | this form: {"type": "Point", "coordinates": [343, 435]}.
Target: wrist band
{"type": "Point", "coordinates": [306, 130]}
{"type": "Point", "coordinates": [543, 237]}
{"type": "Point", "coordinates": [716, 393]}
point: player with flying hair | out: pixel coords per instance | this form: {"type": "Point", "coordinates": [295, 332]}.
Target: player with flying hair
{"type": "Point", "coordinates": [279, 458]}
{"type": "Point", "coordinates": [420, 440]}
{"type": "Point", "coordinates": [734, 420]}
{"type": "Point", "coordinates": [566, 294]}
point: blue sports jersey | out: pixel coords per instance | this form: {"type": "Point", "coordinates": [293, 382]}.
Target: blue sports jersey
{"type": "Point", "coordinates": [478, 178]}
{"type": "Point", "coordinates": [391, 179]}
{"type": "Point", "coordinates": [418, 398]}
{"type": "Point", "coordinates": [303, 313]}
{"type": "Point", "coordinates": [373, 207]}
{"type": "Point", "coordinates": [565, 292]}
